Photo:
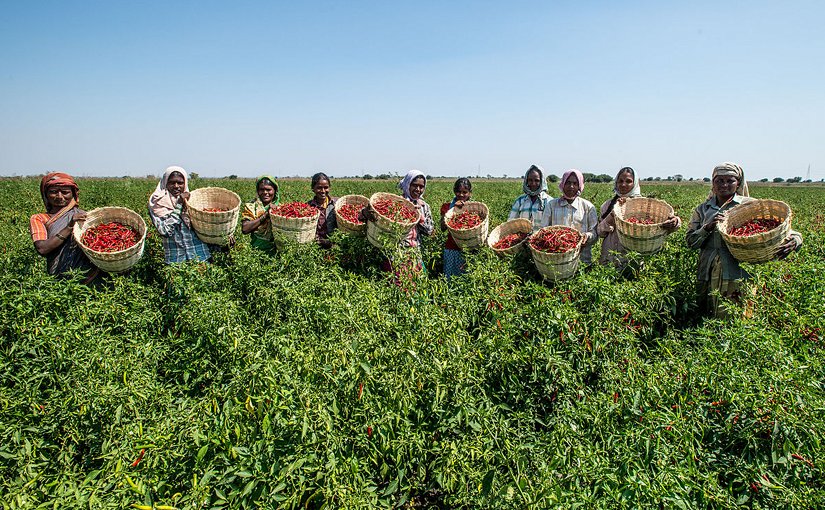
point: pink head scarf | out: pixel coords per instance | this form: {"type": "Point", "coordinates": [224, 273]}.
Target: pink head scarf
{"type": "Point", "coordinates": [567, 174]}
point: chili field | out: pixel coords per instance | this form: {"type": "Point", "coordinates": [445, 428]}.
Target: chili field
{"type": "Point", "coordinates": [309, 380]}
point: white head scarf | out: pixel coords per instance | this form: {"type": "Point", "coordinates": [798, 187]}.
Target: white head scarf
{"type": "Point", "coordinates": [543, 187]}
{"type": "Point", "coordinates": [734, 170]}
{"type": "Point", "coordinates": [635, 191]}
{"type": "Point", "coordinates": [161, 203]}
{"type": "Point", "coordinates": [404, 185]}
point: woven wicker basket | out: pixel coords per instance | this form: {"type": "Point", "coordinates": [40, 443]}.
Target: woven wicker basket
{"type": "Point", "coordinates": [470, 237]}
{"type": "Point", "coordinates": [384, 232]}
{"type": "Point", "coordinates": [117, 261]}
{"type": "Point", "coordinates": [214, 227]}
{"type": "Point", "coordinates": [346, 226]}
{"type": "Point", "coordinates": [510, 227]}
{"type": "Point", "coordinates": [293, 230]}
{"type": "Point", "coordinates": [645, 239]}
{"type": "Point", "coordinates": [556, 266]}
{"type": "Point", "coordinates": [758, 248]}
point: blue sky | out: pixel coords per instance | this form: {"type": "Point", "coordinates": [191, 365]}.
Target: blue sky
{"type": "Point", "coordinates": [452, 88]}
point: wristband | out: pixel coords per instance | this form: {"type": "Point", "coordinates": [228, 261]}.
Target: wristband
{"type": "Point", "coordinates": [60, 236]}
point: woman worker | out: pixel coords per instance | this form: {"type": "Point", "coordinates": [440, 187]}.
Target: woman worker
{"type": "Point", "coordinates": [534, 204]}
{"type": "Point", "coordinates": [571, 210]}
{"type": "Point", "coordinates": [167, 209]}
{"type": "Point", "coordinates": [718, 270]}
{"type": "Point", "coordinates": [255, 218]}
{"type": "Point", "coordinates": [327, 221]}
{"type": "Point", "coordinates": [51, 231]}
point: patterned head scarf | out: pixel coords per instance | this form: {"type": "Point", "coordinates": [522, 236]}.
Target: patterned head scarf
{"type": "Point", "coordinates": [276, 196]}
{"type": "Point", "coordinates": [161, 203]}
{"type": "Point", "coordinates": [733, 170]}
{"type": "Point", "coordinates": [404, 185]}
{"type": "Point", "coordinates": [543, 187]}
{"type": "Point", "coordinates": [567, 174]}
{"type": "Point", "coordinates": [57, 179]}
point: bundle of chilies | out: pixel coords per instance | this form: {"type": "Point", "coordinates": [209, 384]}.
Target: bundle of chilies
{"type": "Point", "coordinates": [109, 237]}
{"type": "Point", "coordinates": [755, 226]}
{"type": "Point", "coordinates": [641, 221]}
{"type": "Point", "coordinates": [293, 210]}
{"type": "Point", "coordinates": [464, 221]}
{"type": "Point", "coordinates": [214, 209]}
{"type": "Point", "coordinates": [556, 240]}
{"type": "Point", "coordinates": [396, 211]}
{"type": "Point", "coordinates": [350, 213]}
{"type": "Point", "coordinates": [510, 240]}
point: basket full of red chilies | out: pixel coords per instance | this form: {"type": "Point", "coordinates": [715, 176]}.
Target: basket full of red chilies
{"type": "Point", "coordinates": [639, 224]}
{"type": "Point", "coordinates": [111, 237]}
{"type": "Point", "coordinates": [347, 211]}
{"type": "Point", "coordinates": [556, 251]}
{"type": "Point", "coordinates": [293, 222]}
{"type": "Point", "coordinates": [395, 216]}
{"type": "Point", "coordinates": [468, 224]}
{"type": "Point", "coordinates": [754, 229]}
{"type": "Point", "coordinates": [508, 238]}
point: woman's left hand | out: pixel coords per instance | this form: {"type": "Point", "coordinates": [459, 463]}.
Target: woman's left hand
{"type": "Point", "coordinates": [672, 223]}
{"type": "Point", "coordinates": [785, 248]}
{"type": "Point", "coordinates": [459, 204]}
{"type": "Point", "coordinates": [81, 216]}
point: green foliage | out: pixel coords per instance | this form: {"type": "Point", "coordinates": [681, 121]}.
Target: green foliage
{"type": "Point", "coordinates": [309, 380]}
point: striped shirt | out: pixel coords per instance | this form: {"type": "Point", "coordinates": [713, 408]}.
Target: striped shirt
{"type": "Point", "coordinates": [538, 211]}
{"type": "Point", "coordinates": [37, 227]}
{"type": "Point", "coordinates": [180, 243]}
{"type": "Point", "coordinates": [581, 215]}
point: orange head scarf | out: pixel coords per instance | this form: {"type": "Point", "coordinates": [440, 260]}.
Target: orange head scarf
{"type": "Point", "coordinates": [57, 179]}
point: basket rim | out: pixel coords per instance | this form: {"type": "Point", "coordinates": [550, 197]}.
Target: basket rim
{"type": "Point", "coordinates": [210, 188]}
{"type": "Point", "coordinates": [315, 214]}
{"type": "Point", "coordinates": [398, 198]}
{"type": "Point", "coordinates": [78, 234]}
{"type": "Point", "coordinates": [556, 227]}
{"type": "Point", "coordinates": [484, 218]}
{"type": "Point", "coordinates": [620, 208]}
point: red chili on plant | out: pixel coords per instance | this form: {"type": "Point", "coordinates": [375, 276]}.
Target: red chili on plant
{"type": "Point", "coordinates": [555, 240]}
{"type": "Point", "coordinates": [293, 210]}
{"type": "Point", "coordinates": [140, 457]}
{"type": "Point", "coordinates": [510, 240]}
{"type": "Point", "coordinates": [465, 220]}
{"type": "Point", "coordinates": [109, 237]}
{"type": "Point", "coordinates": [755, 226]}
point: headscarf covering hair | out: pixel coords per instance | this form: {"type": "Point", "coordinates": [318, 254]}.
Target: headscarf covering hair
{"type": "Point", "coordinates": [542, 187]}
{"type": "Point", "coordinates": [733, 170]}
{"type": "Point", "coordinates": [579, 177]}
{"type": "Point", "coordinates": [161, 203]}
{"type": "Point", "coordinates": [404, 185]}
{"type": "Point", "coordinates": [272, 182]}
{"type": "Point", "coordinates": [634, 192]}
{"type": "Point", "coordinates": [58, 179]}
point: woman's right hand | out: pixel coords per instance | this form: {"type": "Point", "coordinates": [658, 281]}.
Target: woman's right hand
{"type": "Point", "coordinates": [714, 222]}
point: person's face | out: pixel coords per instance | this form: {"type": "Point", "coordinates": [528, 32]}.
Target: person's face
{"type": "Point", "coordinates": [534, 180]}
{"type": "Point", "coordinates": [463, 193]}
{"type": "Point", "coordinates": [59, 196]}
{"type": "Point", "coordinates": [571, 186]}
{"type": "Point", "coordinates": [175, 184]}
{"type": "Point", "coordinates": [321, 189]}
{"type": "Point", "coordinates": [417, 187]}
{"type": "Point", "coordinates": [624, 183]}
{"type": "Point", "coordinates": [725, 185]}
{"type": "Point", "coordinates": [266, 192]}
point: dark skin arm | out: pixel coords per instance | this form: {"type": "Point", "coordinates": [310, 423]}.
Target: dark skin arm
{"type": "Point", "coordinates": [49, 245]}
{"type": "Point", "coordinates": [249, 226]}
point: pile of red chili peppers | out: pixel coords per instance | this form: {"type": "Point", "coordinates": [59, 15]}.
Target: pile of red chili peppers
{"type": "Point", "coordinates": [350, 213]}
{"type": "Point", "coordinates": [214, 209]}
{"type": "Point", "coordinates": [395, 210]}
{"type": "Point", "coordinates": [293, 210]}
{"type": "Point", "coordinates": [464, 220]}
{"type": "Point", "coordinates": [641, 221]}
{"type": "Point", "coordinates": [109, 237]}
{"type": "Point", "coordinates": [755, 226]}
{"type": "Point", "coordinates": [555, 240]}
{"type": "Point", "coordinates": [509, 241]}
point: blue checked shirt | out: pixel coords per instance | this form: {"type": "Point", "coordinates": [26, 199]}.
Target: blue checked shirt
{"type": "Point", "coordinates": [180, 243]}
{"type": "Point", "coordinates": [525, 208]}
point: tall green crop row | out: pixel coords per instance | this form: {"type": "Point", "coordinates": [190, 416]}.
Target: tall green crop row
{"type": "Point", "coordinates": [309, 380]}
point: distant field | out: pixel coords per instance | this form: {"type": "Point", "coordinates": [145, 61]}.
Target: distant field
{"type": "Point", "coordinates": [309, 381]}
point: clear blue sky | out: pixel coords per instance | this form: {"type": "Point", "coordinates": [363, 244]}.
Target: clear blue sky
{"type": "Point", "coordinates": [130, 87]}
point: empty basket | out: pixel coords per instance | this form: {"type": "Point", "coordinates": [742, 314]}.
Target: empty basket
{"type": "Point", "coordinates": [214, 227]}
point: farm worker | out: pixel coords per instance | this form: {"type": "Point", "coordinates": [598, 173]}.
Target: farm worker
{"type": "Point", "coordinates": [168, 211]}
{"type": "Point", "coordinates": [625, 186]}
{"type": "Point", "coordinates": [571, 210]}
{"type": "Point", "coordinates": [327, 221]}
{"type": "Point", "coordinates": [408, 259]}
{"type": "Point", "coordinates": [255, 218]}
{"type": "Point", "coordinates": [534, 204]}
{"type": "Point", "coordinates": [52, 231]}
{"type": "Point", "coordinates": [453, 257]}
{"type": "Point", "coordinates": [718, 271]}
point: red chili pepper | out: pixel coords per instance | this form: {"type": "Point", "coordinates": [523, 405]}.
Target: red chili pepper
{"type": "Point", "coordinates": [641, 221]}
{"type": "Point", "coordinates": [615, 397]}
{"type": "Point", "coordinates": [755, 226]}
{"type": "Point", "coordinates": [555, 240]}
{"type": "Point", "coordinates": [509, 241]}
{"type": "Point", "coordinates": [214, 209]}
{"type": "Point", "coordinates": [369, 431]}
{"type": "Point", "coordinates": [464, 221]}
{"type": "Point", "coordinates": [109, 237]}
{"type": "Point", "coordinates": [360, 390]}
{"type": "Point", "coordinates": [395, 210]}
{"type": "Point", "coordinates": [293, 210]}
{"type": "Point", "coordinates": [140, 457]}
{"type": "Point", "coordinates": [350, 213]}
